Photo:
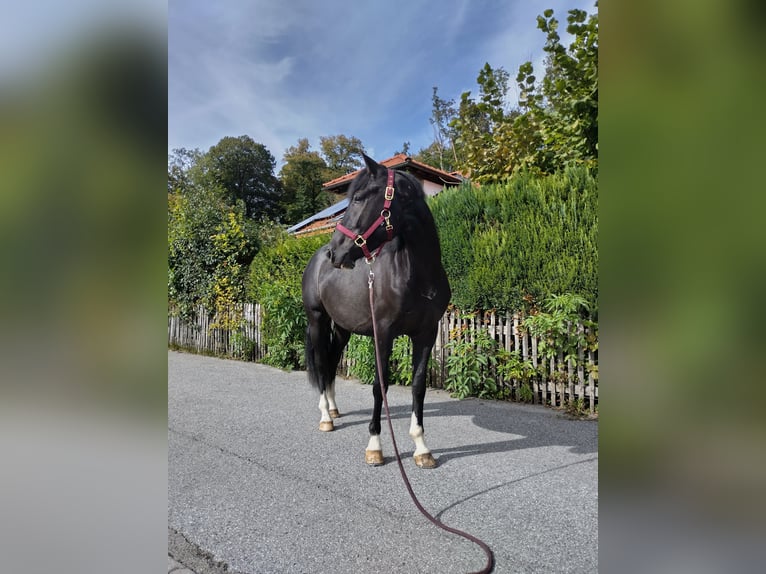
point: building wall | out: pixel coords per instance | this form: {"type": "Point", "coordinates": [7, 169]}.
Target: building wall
{"type": "Point", "coordinates": [432, 188]}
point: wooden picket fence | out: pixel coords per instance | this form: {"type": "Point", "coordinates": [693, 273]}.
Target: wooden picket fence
{"type": "Point", "coordinates": [202, 335]}
{"type": "Point", "coordinates": [566, 380]}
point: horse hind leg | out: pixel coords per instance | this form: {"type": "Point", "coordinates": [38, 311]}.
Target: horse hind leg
{"type": "Point", "coordinates": [325, 422]}
{"type": "Point", "coordinates": [338, 343]}
{"type": "Point", "coordinates": [318, 360]}
{"type": "Point", "coordinates": [336, 340]}
{"type": "Point", "coordinates": [331, 404]}
{"type": "Point", "coordinates": [328, 407]}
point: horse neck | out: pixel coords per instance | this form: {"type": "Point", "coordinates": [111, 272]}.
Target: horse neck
{"type": "Point", "coordinates": [421, 241]}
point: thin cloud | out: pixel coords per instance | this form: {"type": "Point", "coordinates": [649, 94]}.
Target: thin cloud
{"type": "Point", "coordinates": [279, 71]}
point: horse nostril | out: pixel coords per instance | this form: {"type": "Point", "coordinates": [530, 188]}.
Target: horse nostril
{"type": "Point", "coordinates": [330, 254]}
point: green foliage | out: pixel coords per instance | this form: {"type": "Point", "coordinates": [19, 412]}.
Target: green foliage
{"type": "Point", "coordinates": [210, 245]}
{"type": "Point", "coordinates": [555, 326]}
{"type": "Point", "coordinates": [361, 352]}
{"type": "Point", "coordinates": [244, 169]}
{"type": "Point", "coordinates": [401, 361]}
{"type": "Point", "coordinates": [284, 326]}
{"type": "Point", "coordinates": [511, 367]}
{"type": "Point", "coordinates": [553, 124]}
{"type": "Point", "coordinates": [343, 154]}
{"type": "Point", "coordinates": [471, 365]}
{"type": "Point", "coordinates": [302, 176]}
{"type": "Point", "coordinates": [275, 282]}
{"type": "Point", "coordinates": [569, 119]}
{"type": "Point", "coordinates": [441, 153]}
{"type": "Point", "coordinates": [212, 236]}
{"type": "Point", "coordinates": [180, 163]}
{"type": "Point", "coordinates": [505, 246]}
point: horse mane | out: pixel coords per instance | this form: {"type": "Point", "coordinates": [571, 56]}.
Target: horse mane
{"type": "Point", "coordinates": [416, 211]}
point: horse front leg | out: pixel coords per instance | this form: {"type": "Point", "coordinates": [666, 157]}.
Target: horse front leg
{"type": "Point", "coordinates": [373, 454]}
{"type": "Point", "coordinates": [421, 351]}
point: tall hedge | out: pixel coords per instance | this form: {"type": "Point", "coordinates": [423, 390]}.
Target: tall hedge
{"type": "Point", "coordinates": [508, 245]}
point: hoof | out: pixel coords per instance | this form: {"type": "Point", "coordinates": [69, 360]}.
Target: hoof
{"type": "Point", "coordinates": [334, 414]}
{"type": "Point", "coordinates": [425, 460]}
{"type": "Point", "coordinates": [326, 426]}
{"type": "Point", "coordinates": [373, 457]}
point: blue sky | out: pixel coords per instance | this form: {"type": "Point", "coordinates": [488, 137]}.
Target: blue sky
{"type": "Point", "coordinates": [282, 70]}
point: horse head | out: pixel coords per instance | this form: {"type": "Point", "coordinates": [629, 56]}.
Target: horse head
{"type": "Point", "coordinates": [371, 219]}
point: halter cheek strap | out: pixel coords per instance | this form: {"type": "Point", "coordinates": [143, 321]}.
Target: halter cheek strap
{"type": "Point", "coordinates": [385, 217]}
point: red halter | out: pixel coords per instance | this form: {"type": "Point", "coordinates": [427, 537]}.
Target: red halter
{"type": "Point", "coordinates": [385, 216]}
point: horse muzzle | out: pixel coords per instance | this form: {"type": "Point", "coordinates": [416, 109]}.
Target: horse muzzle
{"type": "Point", "coordinates": [340, 262]}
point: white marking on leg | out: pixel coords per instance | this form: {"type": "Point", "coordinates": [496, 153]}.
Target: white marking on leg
{"type": "Point", "coordinates": [374, 443]}
{"type": "Point", "coordinates": [323, 408]}
{"type": "Point", "coordinates": [416, 432]}
{"type": "Point", "coordinates": [330, 391]}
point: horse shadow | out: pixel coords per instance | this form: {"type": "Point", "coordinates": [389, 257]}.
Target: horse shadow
{"type": "Point", "coordinates": [526, 426]}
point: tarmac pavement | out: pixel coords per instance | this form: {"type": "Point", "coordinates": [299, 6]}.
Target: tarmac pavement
{"type": "Point", "coordinates": [255, 487]}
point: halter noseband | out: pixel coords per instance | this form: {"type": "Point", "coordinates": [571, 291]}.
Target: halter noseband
{"type": "Point", "coordinates": [360, 240]}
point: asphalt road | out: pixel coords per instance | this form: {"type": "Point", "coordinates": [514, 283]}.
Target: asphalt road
{"type": "Point", "coordinates": [254, 487]}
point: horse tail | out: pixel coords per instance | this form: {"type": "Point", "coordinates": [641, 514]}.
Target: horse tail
{"type": "Point", "coordinates": [310, 365]}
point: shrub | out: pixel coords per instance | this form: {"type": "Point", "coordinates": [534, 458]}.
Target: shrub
{"type": "Point", "coordinates": [555, 326]}
{"type": "Point", "coordinates": [275, 282]}
{"type": "Point", "coordinates": [507, 245]}
{"type": "Point", "coordinates": [361, 352]}
{"type": "Point", "coordinates": [511, 368]}
{"type": "Point", "coordinates": [470, 365]}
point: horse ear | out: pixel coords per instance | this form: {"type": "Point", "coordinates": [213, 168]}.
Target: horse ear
{"type": "Point", "coordinates": [372, 166]}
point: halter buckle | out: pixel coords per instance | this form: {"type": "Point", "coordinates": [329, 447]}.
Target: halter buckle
{"type": "Point", "coordinates": [389, 195]}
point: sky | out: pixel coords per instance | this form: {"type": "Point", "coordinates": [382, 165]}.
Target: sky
{"type": "Point", "coordinates": [279, 70]}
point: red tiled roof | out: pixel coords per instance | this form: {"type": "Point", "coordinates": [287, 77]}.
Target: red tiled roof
{"type": "Point", "coordinates": [400, 160]}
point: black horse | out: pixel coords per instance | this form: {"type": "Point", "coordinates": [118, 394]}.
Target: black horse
{"type": "Point", "coordinates": [387, 230]}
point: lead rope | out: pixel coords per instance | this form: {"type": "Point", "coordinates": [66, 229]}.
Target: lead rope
{"type": "Point", "coordinates": [487, 550]}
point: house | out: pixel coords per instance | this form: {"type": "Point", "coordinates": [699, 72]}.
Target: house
{"type": "Point", "coordinates": [433, 180]}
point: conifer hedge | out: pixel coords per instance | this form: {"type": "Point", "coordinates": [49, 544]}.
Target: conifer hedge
{"type": "Point", "coordinates": [508, 245]}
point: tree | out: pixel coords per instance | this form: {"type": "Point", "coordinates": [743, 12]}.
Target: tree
{"type": "Point", "coordinates": [244, 169]}
{"type": "Point", "coordinates": [342, 154]}
{"type": "Point", "coordinates": [210, 245]}
{"type": "Point", "coordinates": [477, 124]}
{"type": "Point", "coordinates": [553, 124]}
{"type": "Point", "coordinates": [301, 177]}
{"type": "Point", "coordinates": [431, 155]}
{"type": "Point", "coordinates": [211, 241]}
{"type": "Point", "coordinates": [180, 163]}
{"type": "Point", "coordinates": [442, 114]}
{"type": "Point", "coordinates": [570, 88]}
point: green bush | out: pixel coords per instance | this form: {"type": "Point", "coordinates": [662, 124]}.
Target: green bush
{"type": "Point", "coordinates": [361, 352]}
{"type": "Point", "coordinates": [275, 283]}
{"type": "Point", "coordinates": [471, 364]}
{"type": "Point", "coordinates": [508, 245]}
{"type": "Point", "coordinates": [554, 326]}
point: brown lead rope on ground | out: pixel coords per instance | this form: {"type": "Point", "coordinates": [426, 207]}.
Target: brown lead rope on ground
{"type": "Point", "coordinates": [487, 550]}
